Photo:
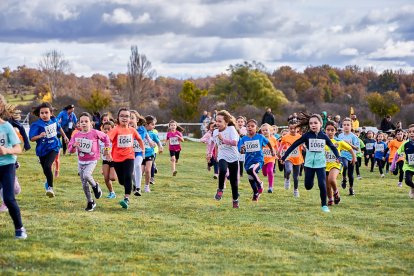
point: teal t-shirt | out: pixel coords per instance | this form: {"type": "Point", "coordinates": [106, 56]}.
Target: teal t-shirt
{"type": "Point", "coordinates": [8, 138]}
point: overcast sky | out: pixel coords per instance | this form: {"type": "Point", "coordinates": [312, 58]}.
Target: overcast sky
{"type": "Point", "coordinates": [203, 37]}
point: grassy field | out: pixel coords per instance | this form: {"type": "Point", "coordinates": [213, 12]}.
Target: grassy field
{"type": "Point", "coordinates": [27, 99]}
{"type": "Point", "coordinates": [180, 229]}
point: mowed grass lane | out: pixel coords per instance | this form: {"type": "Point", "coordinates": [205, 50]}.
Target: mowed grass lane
{"type": "Point", "coordinates": [179, 228]}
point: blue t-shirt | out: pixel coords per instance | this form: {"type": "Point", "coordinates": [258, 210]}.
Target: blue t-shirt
{"type": "Point", "coordinates": [253, 149]}
{"type": "Point", "coordinates": [148, 150]}
{"type": "Point", "coordinates": [351, 139]}
{"type": "Point", "coordinates": [380, 150]}
{"type": "Point", "coordinates": [50, 142]}
{"type": "Point", "coordinates": [8, 138]}
{"type": "Point", "coordinates": [67, 121]}
{"type": "Point", "coordinates": [142, 131]}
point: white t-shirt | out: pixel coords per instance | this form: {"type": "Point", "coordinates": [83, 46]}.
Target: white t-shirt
{"type": "Point", "coordinates": [227, 152]}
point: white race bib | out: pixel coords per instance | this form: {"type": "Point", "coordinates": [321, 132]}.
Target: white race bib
{"type": "Point", "coordinates": [3, 139]}
{"type": "Point", "coordinates": [410, 159]}
{"type": "Point", "coordinates": [70, 125]}
{"type": "Point", "coordinates": [330, 157]}
{"type": "Point", "coordinates": [316, 145]}
{"type": "Point", "coordinates": [369, 146]}
{"type": "Point", "coordinates": [85, 145]}
{"type": "Point", "coordinates": [267, 152]}
{"type": "Point", "coordinates": [137, 148]}
{"type": "Point", "coordinates": [125, 141]}
{"type": "Point", "coordinates": [252, 146]}
{"type": "Point", "coordinates": [174, 141]}
{"type": "Point", "coordinates": [294, 153]}
{"type": "Point", "coordinates": [51, 130]}
{"type": "Point", "coordinates": [379, 147]}
{"type": "Point", "coordinates": [146, 144]}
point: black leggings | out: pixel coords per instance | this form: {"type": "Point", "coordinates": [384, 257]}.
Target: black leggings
{"type": "Point", "coordinates": [399, 169]}
{"type": "Point", "coordinates": [309, 177]}
{"type": "Point", "coordinates": [47, 161]}
{"type": "Point", "coordinates": [124, 171]}
{"type": "Point", "coordinates": [252, 175]}
{"type": "Point", "coordinates": [358, 165]}
{"type": "Point", "coordinates": [241, 163]}
{"type": "Point", "coordinates": [7, 175]}
{"type": "Point", "coordinates": [381, 164]}
{"type": "Point", "coordinates": [153, 165]}
{"type": "Point", "coordinates": [409, 178]}
{"type": "Point", "coordinates": [233, 176]}
{"type": "Point", "coordinates": [348, 167]}
{"type": "Point", "coordinates": [370, 158]}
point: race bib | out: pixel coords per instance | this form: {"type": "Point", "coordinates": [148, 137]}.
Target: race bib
{"type": "Point", "coordinates": [267, 152]}
{"type": "Point", "coordinates": [3, 139]}
{"type": "Point", "coordinates": [146, 144]}
{"type": "Point", "coordinates": [330, 157]}
{"type": "Point", "coordinates": [252, 146]}
{"type": "Point", "coordinates": [294, 153]}
{"type": "Point", "coordinates": [174, 141]}
{"type": "Point", "coordinates": [51, 130]}
{"type": "Point", "coordinates": [85, 145]}
{"type": "Point", "coordinates": [316, 145]}
{"type": "Point", "coordinates": [410, 159]}
{"type": "Point", "coordinates": [137, 148]}
{"type": "Point", "coordinates": [379, 147]}
{"type": "Point", "coordinates": [70, 125]}
{"type": "Point", "coordinates": [125, 141]}
{"type": "Point", "coordinates": [369, 146]}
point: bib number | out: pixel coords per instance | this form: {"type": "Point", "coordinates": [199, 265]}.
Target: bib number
{"type": "Point", "coordinates": [70, 125]}
{"type": "Point", "coordinates": [174, 141]}
{"type": "Point", "coordinates": [51, 130]}
{"type": "Point", "coordinates": [330, 157]}
{"type": "Point", "coordinates": [266, 152]}
{"type": "Point", "coordinates": [137, 148]}
{"type": "Point", "coordinates": [379, 147]}
{"type": "Point", "coordinates": [252, 146]}
{"type": "Point", "coordinates": [125, 141]}
{"type": "Point", "coordinates": [410, 159]}
{"type": "Point", "coordinates": [369, 146]}
{"type": "Point", "coordinates": [146, 144]}
{"type": "Point", "coordinates": [316, 145]}
{"type": "Point", "coordinates": [294, 153]}
{"type": "Point", "coordinates": [85, 145]}
{"type": "Point", "coordinates": [3, 139]}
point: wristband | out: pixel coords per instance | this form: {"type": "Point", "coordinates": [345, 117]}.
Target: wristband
{"type": "Point", "coordinates": [107, 149]}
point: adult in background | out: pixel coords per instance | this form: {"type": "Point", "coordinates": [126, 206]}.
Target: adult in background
{"type": "Point", "coordinates": [354, 121]}
{"type": "Point", "coordinates": [202, 118]}
{"type": "Point", "coordinates": [268, 117]}
{"type": "Point", "coordinates": [387, 125]}
{"type": "Point", "coordinates": [337, 121]}
{"type": "Point", "coordinates": [324, 116]}
{"type": "Point", "coordinates": [67, 120]}
{"type": "Point", "coordinates": [96, 118]}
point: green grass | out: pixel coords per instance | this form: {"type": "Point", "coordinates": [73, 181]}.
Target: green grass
{"type": "Point", "coordinates": [180, 229]}
{"type": "Point", "coordinates": [27, 99]}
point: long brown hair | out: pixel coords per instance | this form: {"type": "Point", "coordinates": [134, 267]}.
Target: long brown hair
{"type": "Point", "coordinates": [304, 118]}
{"type": "Point", "coordinates": [179, 128]}
{"type": "Point", "coordinates": [228, 118]}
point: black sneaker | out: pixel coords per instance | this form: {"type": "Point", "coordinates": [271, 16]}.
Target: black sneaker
{"type": "Point", "coordinates": [343, 184]}
{"type": "Point", "coordinates": [91, 206]}
{"type": "Point", "coordinates": [155, 169]}
{"type": "Point", "coordinates": [351, 192]}
{"type": "Point", "coordinates": [137, 192]}
{"type": "Point", "coordinates": [97, 191]}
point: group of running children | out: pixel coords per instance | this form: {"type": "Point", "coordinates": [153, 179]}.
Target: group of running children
{"type": "Point", "coordinates": [127, 152]}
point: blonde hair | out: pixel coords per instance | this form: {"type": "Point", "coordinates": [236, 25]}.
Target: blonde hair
{"type": "Point", "coordinates": [6, 110]}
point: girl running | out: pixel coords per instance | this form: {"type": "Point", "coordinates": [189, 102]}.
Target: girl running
{"type": "Point", "coordinates": [208, 139]}
{"type": "Point", "coordinates": [369, 150]}
{"type": "Point", "coordinates": [122, 138]}
{"type": "Point", "coordinates": [241, 126]}
{"type": "Point", "coordinates": [269, 159]}
{"type": "Point", "coordinates": [407, 150]}
{"type": "Point", "coordinates": [44, 133]}
{"type": "Point", "coordinates": [149, 150]}
{"type": "Point", "coordinates": [9, 147]}
{"type": "Point", "coordinates": [108, 170]}
{"type": "Point", "coordinates": [225, 139]}
{"type": "Point", "coordinates": [174, 137]}
{"type": "Point", "coordinates": [86, 143]}
{"type": "Point", "coordinates": [252, 145]}
{"type": "Point", "coordinates": [333, 168]}
{"type": "Point", "coordinates": [393, 146]}
{"type": "Point", "coordinates": [359, 155]}
{"type": "Point", "coordinates": [381, 150]}
{"type": "Point", "coordinates": [346, 157]}
{"type": "Point", "coordinates": [295, 160]}
{"type": "Point", "coordinates": [315, 161]}
{"type": "Point", "coordinates": [138, 122]}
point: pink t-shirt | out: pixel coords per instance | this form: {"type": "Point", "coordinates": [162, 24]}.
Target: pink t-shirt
{"type": "Point", "coordinates": [174, 141]}
{"type": "Point", "coordinates": [88, 149]}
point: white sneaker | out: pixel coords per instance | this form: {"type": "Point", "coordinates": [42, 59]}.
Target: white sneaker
{"type": "Point", "coordinates": [3, 207]}
{"type": "Point", "coordinates": [296, 193]}
{"type": "Point", "coordinates": [147, 189]}
{"type": "Point", "coordinates": [382, 175]}
{"type": "Point", "coordinates": [411, 193]}
{"type": "Point", "coordinates": [359, 177]}
{"type": "Point", "coordinates": [399, 184]}
{"type": "Point", "coordinates": [49, 192]}
{"type": "Point", "coordinates": [287, 184]}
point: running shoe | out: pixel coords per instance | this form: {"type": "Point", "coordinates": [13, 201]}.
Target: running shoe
{"type": "Point", "coordinates": [91, 206]}
{"type": "Point", "coordinates": [155, 168]}
{"type": "Point", "coordinates": [382, 175]}
{"type": "Point", "coordinates": [399, 184]}
{"type": "Point", "coordinates": [147, 189]}
{"type": "Point", "coordinates": [152, 180]}
{"type": "Point", "coordinates": [215, 176]}
{"type": "Point", "coordinates": [325, 209]}
{"type": "Point", "coordinates": [287, 184]}
{"type": "Point", "coordinates": [351, 192]}
{"type": "Point", "coordinates": [219, 194]}
{"type": "Point", "coordinates": [137, 192]}
{"type": "Point", "coordinates": [337, 198]}
{"type": "Point", "coordinates": [21, 234]}
{"type": "Point", "coordinates": [296, 193]}
{"type": "Point", "coordinates": [174, 173]}
{"type": "Point", "coordinates": [359, 177]}
{"type": "Point", "coordinates": [111, 195]}
{"type": "Point", "coordinates": [49, 192]}
{"type": "Point", "coordinates": [411, 193]}
{"type": "Point", "coordinates": [124, 203]}
{"type": "Point", "coordinates": [330, 202]}
{"type": "Point", "coordinates": [256, 197]}
{"type": "Point", "coordinates": [97, 191]}
{"type": "Point", "coordinates": [236, 203]}
{"type": "Point", "coordinates": [270, 190]}
{"type": "Point", "coordinates": [3, 207]}
{"type": "Point", "coordinates": [343, 184]}
{"type": "Point", "coordinates": [260, 190]}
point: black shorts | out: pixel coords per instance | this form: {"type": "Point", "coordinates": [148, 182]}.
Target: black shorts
{"type": "Point", "coordinates": [175, 153]}
{"type": "Point", "coordinates": [110, 163]}
{"type": "Point", "coordinates": [146, 159]}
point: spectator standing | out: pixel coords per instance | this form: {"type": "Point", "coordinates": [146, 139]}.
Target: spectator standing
{"type": "Point", "coordinates": [67, 120]}
{"type": "Point", "coordinates": [354, 121]}
{"type": "Point", "coordinates": [337, 121]}
{"type": "Point", "coordinates": [387, 125]}
{"type": "Point", "coordinates": [202, 127]}
{"type": "Point", "coordinates": [268, 117]}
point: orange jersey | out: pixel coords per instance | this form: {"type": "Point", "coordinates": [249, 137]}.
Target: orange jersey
{"type": "Point", "coordinates": [122, 139]}
{"type": "Point", "coordinates": [296, 156]}
{"type": "Point", "coordinates": [266, 151]}
{"type": "Point", "coordinates": [393, 146]}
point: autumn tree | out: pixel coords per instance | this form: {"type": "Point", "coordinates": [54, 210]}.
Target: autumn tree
{"type": "Point", "coordinates": [140, 77]}
{"type": "Point", "coordinates": [96, 101]}
{"type": "Point", "coordinates": [388, 103]}
{"type": "Point", "coordinates": [190, 96]}
{"type": "Point", "coordinates": [53, 65]}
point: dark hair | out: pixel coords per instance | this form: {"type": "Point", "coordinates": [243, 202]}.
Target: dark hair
{"type": "Point", "coordinates": [69, 107]}
{"type": "Point", "coordinates": [330, 123]}
{"type": "Point", "coordinates": [252, 121]}
{"type": "Point", "coordinates": [398, 130]}
{"type": "Point", "coordinates": [36, 111]}
{"type": "Point", "coordinates": [149, 119]}
{"type": "Point", "coordinates": [411, 125]}
{"type": "Point", "coordinates": [106, 115]}
{"type": "Point", "coordinates": [86, 114]}
{"type": "Point", "coordinates": [120, 110]}
{"type": "Point", "coordinates": [108, 123]}
{"type": "Point", "coordinates": [303, 120]}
